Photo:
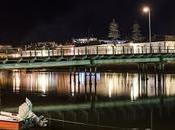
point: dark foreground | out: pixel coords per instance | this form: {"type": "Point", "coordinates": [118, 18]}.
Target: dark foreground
{"type": "Point", "coordinates": [158, 114]}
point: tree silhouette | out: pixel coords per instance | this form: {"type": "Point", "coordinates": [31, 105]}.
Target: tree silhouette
{"type": "Point", "coordinates": [136, 33]}
{"type": "Point", "coordinates": [114, 33]}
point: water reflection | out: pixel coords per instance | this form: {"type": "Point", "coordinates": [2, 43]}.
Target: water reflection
{"type": "Point", "coordinates": [128, 85]}
{"type": "Point", "coordinates": [170, 83]}
{"type": "Point", "coordinates": [134, 88]}
{"type": "Point", "coordinates": [16, 81]}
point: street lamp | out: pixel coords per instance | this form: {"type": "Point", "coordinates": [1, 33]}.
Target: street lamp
{"type": "Point", "coordinates": [147, 9]}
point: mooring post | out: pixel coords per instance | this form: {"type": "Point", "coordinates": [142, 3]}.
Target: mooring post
{"type": "Point", "coordinates": [85, 84]}
{"type": "Point", "coordinates": [159, 79]}
{"type": "Point", "coordinates": [93, 94]}
{"type": "Point", "coordinates": [90, 80]}
{"type": "Point", "coordinates": [146, 78]}
{"type": "Point", "coordinates": [143, 83]}
{"type": "Point", "coordinates": [74, 80]}
{"type": "Point", "coordinates": [155, 78]}
{"type": "Point", "coordinates": [163, 78]}
{"type": "Point", "coordinates": [151, 120]}
{"type": "Point", "coordinates": [78, 75]}
{"type": "Point", "coordinates": [139, 79]}
{"type": "Point", "coordinates": [162, 87]}
{"type": "Point", "coordinates": [95, 82]}
{"type": "Point", "coordinates": [70, 80]}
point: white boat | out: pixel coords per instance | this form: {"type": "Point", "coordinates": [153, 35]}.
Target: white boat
{"type": "Point", "coordinates": [24, 119]}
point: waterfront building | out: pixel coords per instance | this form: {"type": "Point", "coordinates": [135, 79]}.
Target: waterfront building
{"type": "Point", "coordinates": [84, 40]}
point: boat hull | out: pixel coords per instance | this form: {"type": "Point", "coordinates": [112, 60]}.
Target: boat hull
{"type": "Point", "coordinates": [10, 125]}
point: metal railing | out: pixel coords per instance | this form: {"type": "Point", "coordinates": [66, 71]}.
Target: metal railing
{"type": "Point", "coordinates": [88, 50]}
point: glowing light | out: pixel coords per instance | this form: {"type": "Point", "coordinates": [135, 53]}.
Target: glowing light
{"type": "Point", "coordinates": [111, 86]}
{"type": "Point", "coordinates": [39, 52]}
{"type": "Point", "coordinates": [170, 81]}
{"type": "Point", "coordinates": [45, 52]}
{"type": "Point", "coordinates": [72, 49]}
{"type": "Point", "coordinates": [134, 89]}
{"type": "Point", "coordinates": [16, 82]}
{"type": "Point", "coordinates": [109, 51]}
{"type": "Point", "coordinates": [15, 55]}
{"type": "Point", "coordinates": [72, 87]}
{"type": "Point", "coordinates": [82, 78]}
{"type": "Point", "coordinates": [43, 82]}
{"type": "Point", "coordinates": [146, 9]}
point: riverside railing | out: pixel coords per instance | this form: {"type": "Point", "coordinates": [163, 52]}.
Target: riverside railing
{"type": "Point", "coordinates": [85, 51]}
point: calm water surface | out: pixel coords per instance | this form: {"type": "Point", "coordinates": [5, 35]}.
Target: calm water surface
{"type": "Point", "coordinates": [130, 86]}
{"type": "Point", "coordinates": [60, 87]}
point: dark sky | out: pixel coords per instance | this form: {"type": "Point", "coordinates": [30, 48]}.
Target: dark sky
{"type": "Point", "coordinates": [57, 20]}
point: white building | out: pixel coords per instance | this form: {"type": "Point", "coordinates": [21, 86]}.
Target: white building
{"type": "Point", "coordinates": [84, 40]}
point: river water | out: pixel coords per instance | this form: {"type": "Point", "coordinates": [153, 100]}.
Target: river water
{"type": "Point", "coordinates": [130, 86]}
{"type": "Point", "coordinates": [52, 87]}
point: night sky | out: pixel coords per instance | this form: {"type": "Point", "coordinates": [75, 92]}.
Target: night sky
{"type": "Point", "coordinates": [60, 20]}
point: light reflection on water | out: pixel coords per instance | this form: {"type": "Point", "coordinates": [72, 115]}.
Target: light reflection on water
{"type": "Point", "coordinates": [107, 84]}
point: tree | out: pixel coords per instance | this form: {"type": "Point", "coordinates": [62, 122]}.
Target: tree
{"type": "Point", "coordinates": [136, 33]}
{"type": "Point", "coordinates": [114, 30]}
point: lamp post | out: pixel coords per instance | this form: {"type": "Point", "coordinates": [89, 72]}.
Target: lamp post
{"type": "Point", "coordinates": [147, 9]}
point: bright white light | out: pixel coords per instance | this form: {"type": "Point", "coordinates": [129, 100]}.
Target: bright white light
{"type": "Point", "coordinates": [15, 55]}
{"type": "Point", "coordinates": [43, 82]}
{"type": "Point", "coordinates": [44, 52]}
{"type": "Point", "coordinates": [134, 89]}
{"type": "Point", "coordinates": [146, 9]}
{"type": "Point", "coordinates": [16, 82]}
{"type": "Point", "coordinates": [72, 50]}
{"type": "Point", "coordinates": [109, 51]}
{"type": "Point", "coordinates": [72, 87]}
{"type": "Point", "coordinates": [111, 86]}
